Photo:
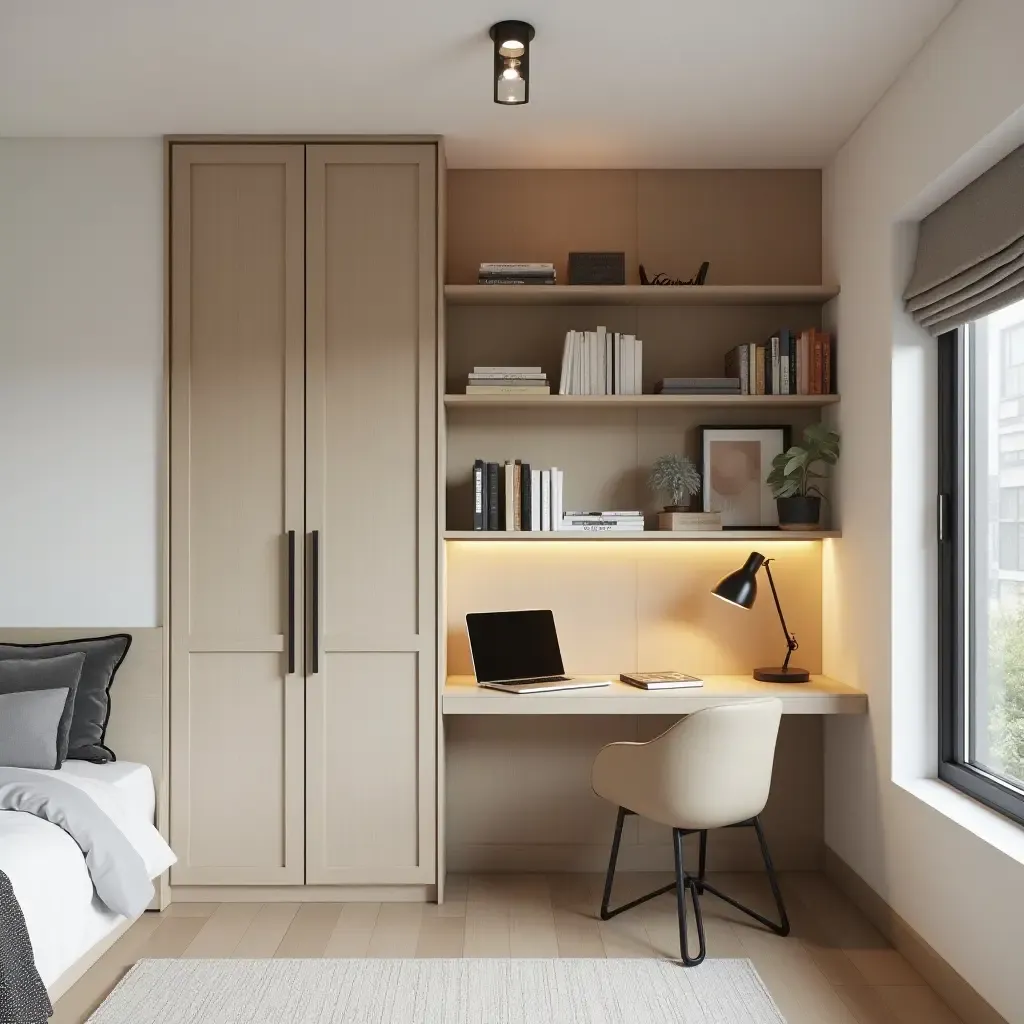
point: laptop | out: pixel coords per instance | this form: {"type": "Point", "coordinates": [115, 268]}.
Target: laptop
{"type": "Point", "coordinates": [518, 652]}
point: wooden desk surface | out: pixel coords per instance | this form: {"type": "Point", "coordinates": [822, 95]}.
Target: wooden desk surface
{"type": "Point", "coordinates": [820, 696]}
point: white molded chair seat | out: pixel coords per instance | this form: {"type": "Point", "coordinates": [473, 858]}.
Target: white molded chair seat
{"type": "Point", "coordinates": [712, 769]}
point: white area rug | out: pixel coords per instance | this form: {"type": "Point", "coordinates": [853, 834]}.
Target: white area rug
{"type": "Point", "coordinates": [438, 992]}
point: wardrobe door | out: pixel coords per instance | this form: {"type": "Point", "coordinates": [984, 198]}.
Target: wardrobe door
{"type": "Point", "coordinates": [237, 454]}
{"type": "Point", "coordinates": [371, 261]}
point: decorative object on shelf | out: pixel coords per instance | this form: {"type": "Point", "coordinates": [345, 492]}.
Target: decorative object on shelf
{"type": "Point", "coordinates": [601, 362]}
{"type": "Point", "coordinates": [512, 61]}
{"type": "Point", "coordinates": [698, 279]}
{"type": "Point", "coordinates": [735, 462]}
{"type": "Point", "coordinates": [677, 478]}
{"type": "Point", "coordinates": [507, 380]}
{"type": "Point", "coordinates": [597, 268]}
{"type": "Point", "coordinates": [793, 475]}
{"type": "Point", "coordinates": [786, 364]}
{"type": "Point", "coordinates": [516, 273]}
{"type": "Point", "coordinates": [740, 588]}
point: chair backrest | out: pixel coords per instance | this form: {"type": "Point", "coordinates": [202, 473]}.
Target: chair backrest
{"type": "Point", "coordinates": [714, 767]}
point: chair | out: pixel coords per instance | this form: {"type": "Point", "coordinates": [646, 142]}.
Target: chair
{"type": "Point", "coordinates": [712, 769]}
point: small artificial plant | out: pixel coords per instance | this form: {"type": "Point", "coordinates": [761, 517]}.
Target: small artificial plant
{"type": "Point", "coordinates": [795, 471]}
{"type": "Point", "coordinates": [675, 476]}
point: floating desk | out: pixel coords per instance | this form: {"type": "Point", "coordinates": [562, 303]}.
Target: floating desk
{"type": "Point", "coordinates": [820, 696]}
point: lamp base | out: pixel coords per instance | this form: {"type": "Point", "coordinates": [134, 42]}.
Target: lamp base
{"type": "Point", "coordinates": [781, 675]}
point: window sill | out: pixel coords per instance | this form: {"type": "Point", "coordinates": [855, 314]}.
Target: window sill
{"type": "Point", "coordinates": [988, 825]}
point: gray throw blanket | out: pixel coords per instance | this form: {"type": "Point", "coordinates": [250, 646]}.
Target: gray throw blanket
{"type": "Point", "coordinates": [23, 998]}
{"type": "Point", "coordinates": [118, 872]}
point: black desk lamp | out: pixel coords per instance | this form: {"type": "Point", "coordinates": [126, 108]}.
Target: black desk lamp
{"type": "Point", "coordinates": [740, 588]}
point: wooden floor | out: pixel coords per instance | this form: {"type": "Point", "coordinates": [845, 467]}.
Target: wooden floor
{"type": "Point", "coordinates": [835, 968]}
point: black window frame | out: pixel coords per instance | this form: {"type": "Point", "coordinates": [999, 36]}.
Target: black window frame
{"type": "Point", "coordinates": [954, 358]}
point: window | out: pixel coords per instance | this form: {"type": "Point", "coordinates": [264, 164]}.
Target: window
{"type": "Point", "coordinates": [981, 559]}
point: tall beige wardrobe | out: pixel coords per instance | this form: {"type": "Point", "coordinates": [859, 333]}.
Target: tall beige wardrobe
{"type": "Point", "coordinates": [303, 513]}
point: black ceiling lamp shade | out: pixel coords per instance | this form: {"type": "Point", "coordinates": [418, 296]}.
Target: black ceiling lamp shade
{"type": "Point", "coordinates": [512, 62]}
{"type": "Point", "coordinates": [740, 588]}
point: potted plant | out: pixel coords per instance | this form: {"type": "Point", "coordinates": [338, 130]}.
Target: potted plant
{"type": "Point", "coordinates": [677, 478]}
{"type": "Point", "coordinates": [794, 474]}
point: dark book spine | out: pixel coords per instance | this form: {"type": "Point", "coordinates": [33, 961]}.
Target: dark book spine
{"type": "Point", "coordinates": [789, 349]}
{"type": "Point", "coordinates": [479, 516]}
{"type": "Point", "coordinates": [493, 519]}
{"type": "Point", "coordinates": [526, 494]}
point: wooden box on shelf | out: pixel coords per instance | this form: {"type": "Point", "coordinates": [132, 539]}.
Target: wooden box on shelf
{"type": "Point", "coordinates": [689, 522]}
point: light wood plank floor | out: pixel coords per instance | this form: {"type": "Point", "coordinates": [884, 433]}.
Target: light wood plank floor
{"type": "Point", "coordinates": [834, 969]}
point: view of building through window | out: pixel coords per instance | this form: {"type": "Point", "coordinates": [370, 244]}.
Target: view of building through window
{"type": "Point", "coordinates": [995, 703]}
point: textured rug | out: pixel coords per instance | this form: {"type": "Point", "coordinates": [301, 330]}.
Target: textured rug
{"type": "Point", "coordinates": [438, 992]}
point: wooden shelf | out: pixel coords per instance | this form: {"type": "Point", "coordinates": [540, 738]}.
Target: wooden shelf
{"type": "Point", "coordinates": [820, 696]}
{"type": "Point", "coordinates": [638, 295]}
{"type": "Point", "coordinates": [638, 401]}
{"type": "Point", "coordinates": [774, 536]}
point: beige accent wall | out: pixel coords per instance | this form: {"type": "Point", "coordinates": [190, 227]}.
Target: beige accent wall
{"type": "Point", "coordinates": [755, 227]}
{"type": "Point", "coordinates": [620, 606]}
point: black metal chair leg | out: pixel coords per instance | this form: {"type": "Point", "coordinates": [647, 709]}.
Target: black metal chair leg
{"type": "Point", "coordinates": [702, 867]}
{"type": "Point", "coordinates": [783, 927]}
{"type": "Point", "coordinates": [684, 885]}
{"type": "Point", "coordinates": [606, 911]}
{"type": "Point", "coordinates": [780, 928]}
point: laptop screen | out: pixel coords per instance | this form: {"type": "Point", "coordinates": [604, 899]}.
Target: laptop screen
{"type": "Point", "coordinates": [513, 645]}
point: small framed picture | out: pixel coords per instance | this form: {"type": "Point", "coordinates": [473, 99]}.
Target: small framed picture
{"type": "Point", "coordinates": [736, 462]}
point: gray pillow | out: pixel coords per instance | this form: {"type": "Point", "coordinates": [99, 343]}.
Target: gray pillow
{"type": "Point", "coordinates": [29, 723]}
{"type": "Point", "coordinates": [103, 657]}
{"type": "Point", "coordinates": [61, 673]}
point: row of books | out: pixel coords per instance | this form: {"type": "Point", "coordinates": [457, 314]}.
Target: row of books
{"type": "Point", "coordinates": [513, 496]}
{"type": "Point", "coordinates": [507, 380]}
{"type": "Point", "coordinates": [601, 362]}
{"type": "Point", "coordinates": [698, 386]}
{"type": "Point", "coordinates": [786, 364]}
{"type": "Point", "coordinates": [516, 273]}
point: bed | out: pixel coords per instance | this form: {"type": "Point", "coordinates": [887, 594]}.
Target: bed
{"type": "Point", "coordinates": [69, 927]}
{"type": "Point", "coordinates": [64, 917]}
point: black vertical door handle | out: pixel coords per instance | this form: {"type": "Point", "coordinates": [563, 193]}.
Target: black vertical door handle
{"type": "Point", "coordinates": [314, 604]}
{"type": "Point", "coordinates": [291, 602]}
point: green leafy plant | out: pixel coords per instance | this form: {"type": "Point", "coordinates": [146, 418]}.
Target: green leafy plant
{"type": "Point", "coordinates": [676, 477]}
{"type": "Point", "coordinates": [795, 471]}
{"type": "Point", "coordinates": [1006, 714]}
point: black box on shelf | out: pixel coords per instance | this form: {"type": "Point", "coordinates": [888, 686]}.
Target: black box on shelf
{"type": "Point", "coordinates": [597, 268]}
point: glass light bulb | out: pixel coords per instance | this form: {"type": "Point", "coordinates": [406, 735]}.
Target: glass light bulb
{"type": "Point", "coordinates": [510, 73]}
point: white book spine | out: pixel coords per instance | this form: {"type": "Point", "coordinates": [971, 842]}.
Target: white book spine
{"type": "Point", "coordinates": [563, 382]}
{"type": "Point", "coordinates": [545, 500]}
{"type": "Point", "coordinates": [626, 382]}
{"type": "Point", "coordinates": [602, 360]}
{"type": "Point", "coordinates": [638, 367]}
{"type": "Point", "coordinates": [556, 498]}
{"type": "Point", "coordinates": [490, 371]}
{"type": "Point", "coordinates": [535, 520]}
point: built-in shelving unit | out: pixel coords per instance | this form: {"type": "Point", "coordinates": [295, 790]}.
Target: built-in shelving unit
{"type": "Point", "coordinates": [637, 295]}
{"type": "Point", "coordinates": [677, 536]}
{"type": "Point", "coordinates": [639, 401]}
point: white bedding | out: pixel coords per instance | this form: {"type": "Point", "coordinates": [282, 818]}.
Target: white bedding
{"type": "Point", "coordinates": [47, 868]}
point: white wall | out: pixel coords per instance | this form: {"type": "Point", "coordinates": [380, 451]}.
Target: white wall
{"type": "Point", "coordinates": [81, 392]}
{"type": "Point", "coordinates": [957, 109]}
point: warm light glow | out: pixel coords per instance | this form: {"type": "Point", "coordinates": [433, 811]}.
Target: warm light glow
{"type": "Point", "coordinates": [510, 73]}
{"type": "Point", "coordinates": [511, 48]}
{"type": "Point", "coordinates": [732, 604]}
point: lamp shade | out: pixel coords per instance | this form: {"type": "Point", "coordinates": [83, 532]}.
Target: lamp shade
{"type": "Point", "coordinates": [512, 62]}
{"type": "Point", "coordinates": [740, 587]}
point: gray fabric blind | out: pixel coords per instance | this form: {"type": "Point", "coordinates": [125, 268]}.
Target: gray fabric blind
{"type": "Point", "coordinates": [970, 251]}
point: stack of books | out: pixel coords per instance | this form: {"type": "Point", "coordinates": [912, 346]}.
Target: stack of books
{"type": "Point", "coordinates": [507, 380]}
{"type": "Point", "coordinates": [513, 497]}
{"type": "Point", "coordinates": [601, 362]}
{"type": "Point", "coordinates": [698, 386]}
{"type": "Point", "coordinates": [603, 522]}
{"type": "Point", "coordinates": [516, 273]}
{"type": "Point", "coordinates": [786, 364]}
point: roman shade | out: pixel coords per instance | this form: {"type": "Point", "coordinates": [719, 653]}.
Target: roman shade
{"type": "Point", "coordinates": [970, 251]}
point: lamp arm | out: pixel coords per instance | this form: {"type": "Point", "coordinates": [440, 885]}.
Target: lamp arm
{"type": "Point", "coordinates": [791, 644]}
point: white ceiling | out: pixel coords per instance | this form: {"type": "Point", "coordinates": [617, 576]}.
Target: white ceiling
{"type": "Point", "coordinates": [640, 83]}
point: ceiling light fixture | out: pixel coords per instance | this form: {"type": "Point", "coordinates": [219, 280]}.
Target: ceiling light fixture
{"type": "Point", "coordinates": [512, 62]}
